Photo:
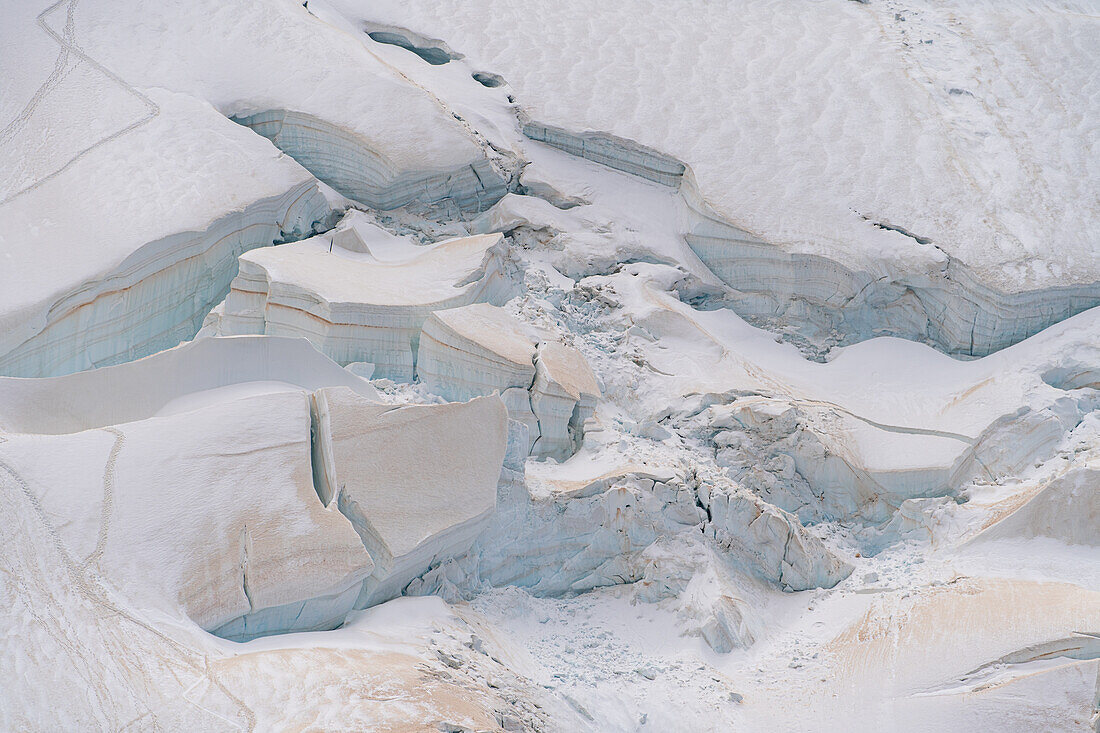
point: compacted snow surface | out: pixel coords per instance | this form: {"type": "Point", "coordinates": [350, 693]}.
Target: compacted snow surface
{"type": "Point", "coordinates": [549, 366]}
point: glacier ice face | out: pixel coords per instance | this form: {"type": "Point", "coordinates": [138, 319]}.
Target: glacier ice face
{"type": "Point", "coordinates": [364, 301]}
{"type": "Point", "coordinates": [479, 349]}
{"type": "Point", "coordinates": [345, 161]}
{"type": "Point", "coordinates": [316, 87]}
{"type": "Point", "coordinates": [409, 519]}
{"type": "Point", "coordinates": [586, 538]}
{"type": "Point", "coordinates": [812, 297]}
{"type": "Point", "coordinates": [160, 295]}
{"type": "Point", "coordinates": [617, 153]}
{"type": "Point", "coordinates": [929, 297]}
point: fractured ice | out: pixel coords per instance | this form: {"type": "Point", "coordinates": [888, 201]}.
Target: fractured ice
{"type": "Point", "coordinates": [360, 294]}
{"type": "Point", "coordinates": [462, 366]}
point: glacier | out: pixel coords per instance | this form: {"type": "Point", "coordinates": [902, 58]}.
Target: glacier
{"type": "Point", "coordinates": [549, 366]}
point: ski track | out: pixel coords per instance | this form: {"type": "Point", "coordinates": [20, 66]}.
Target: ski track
{"type": "Point", "coordinates": [69, 46]}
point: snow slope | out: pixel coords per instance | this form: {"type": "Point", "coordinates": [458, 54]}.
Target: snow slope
{"type": "Point", "coordinates": [770, 108]}
{"type": "Point", "coordinates": [971, 126]}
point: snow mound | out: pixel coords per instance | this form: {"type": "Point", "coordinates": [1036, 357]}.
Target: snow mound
{"type": "Point", "coordinates": [190, 376]}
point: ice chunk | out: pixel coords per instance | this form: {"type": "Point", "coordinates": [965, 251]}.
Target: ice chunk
{"type": "Point", "coordinates": [708, 600]}
{"type": "Point", "coordinates": [782, 550]}
{"type": "Point", "coordinates": [418, 482]}
{"type": "Point", "coordinates": [563, 397]}
{"type": "Point", "coordinates": [366, 302]}
{"type": "Point", "coordinates": [475, 350]}
{"type": "Point", "coordinates": [480, 349]}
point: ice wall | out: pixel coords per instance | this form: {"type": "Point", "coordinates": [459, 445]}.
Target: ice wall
{"type": "Point", "coordinates": [480, 349]}
{"type": "Point", "coordinates": [946, 305]}
{"type": "Point", "coordinates": [364, 304]}
{"type": "Point", "coordinates": [418, 482]}
{"type": "Point", "coordinates": [345, 160]}
{"type": "Point", "coordinates": [160, 294]}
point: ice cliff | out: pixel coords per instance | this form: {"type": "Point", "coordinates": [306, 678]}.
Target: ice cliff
{"type": "Point", "coordinates": [360, 294]}
{"type": "Point", "coordinates": [480, 349]}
